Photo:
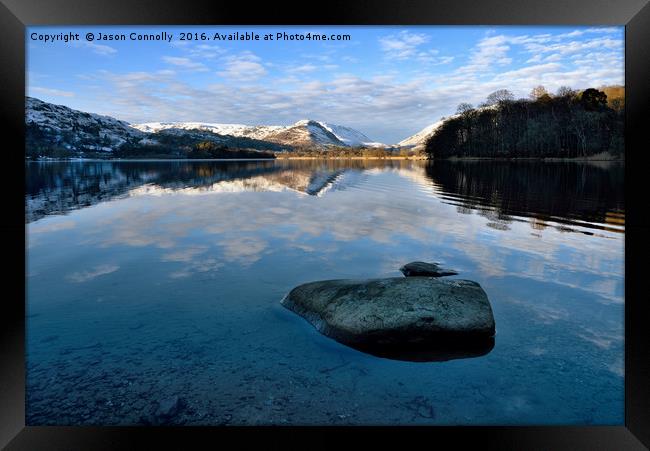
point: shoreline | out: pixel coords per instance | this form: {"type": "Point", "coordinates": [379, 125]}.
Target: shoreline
{"type": "Point", "coordinates": [352, 158]}
{"type": "Point", "coordinates": [392, 158]}
{"type": "Point", "coordinates": [219, 159]}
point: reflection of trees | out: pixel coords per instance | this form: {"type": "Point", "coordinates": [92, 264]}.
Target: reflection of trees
{"type": "Point", "coordinates": [537, 224]}
{"type": "Point", "coordinates": [60, 187]}
{"type": "Point", "coordinates": [560, 192]}
{"type": "Point", "coordinates": [499, 191]}
{"type": "Point", "coordinates": [496, 219]}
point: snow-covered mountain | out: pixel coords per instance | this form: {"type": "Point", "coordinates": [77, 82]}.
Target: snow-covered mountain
{"type": "Point", "coordinates": [73, 129]}
{"type": "Point", "coordinates": [350, 136]}
{"type": "Point", "coordinates": [249, 131]}
{"type": "Point", "coordinates": [52, 126]}
{"type": "Point", "coordinates": [303, 133]}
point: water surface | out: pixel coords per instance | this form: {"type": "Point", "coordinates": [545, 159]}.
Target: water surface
{"type": "Point", "coordinates": [153, 280]}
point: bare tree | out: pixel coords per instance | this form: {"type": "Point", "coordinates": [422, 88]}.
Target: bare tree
{"type": "Point", "coordinates": [499, 96]}
{"type": "Point", "coordinates": [563, 91]}
{"type": "Point", "coordinates": [464, 108]}
{"type": "Point", "coordinates": [538, 92]}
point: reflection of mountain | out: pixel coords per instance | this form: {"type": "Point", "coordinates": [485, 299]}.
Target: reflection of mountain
{"type": "Point", "coordinates": [499, 190]}
{"type": "Point", "coordinates": [55, 188]}
{"type": "Point", "coordinates": [313, 184]}
{"type": "Point", "coordinates": [502, 192]}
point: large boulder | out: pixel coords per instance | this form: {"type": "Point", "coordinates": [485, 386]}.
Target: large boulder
{"type": "Point", "coordinates": [413, 318]}
{"type": "Point", "coordinates": [417, 269]}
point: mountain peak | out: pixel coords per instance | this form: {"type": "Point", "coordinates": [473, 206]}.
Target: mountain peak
{"type": "Point", "coordinates": [307, 122]}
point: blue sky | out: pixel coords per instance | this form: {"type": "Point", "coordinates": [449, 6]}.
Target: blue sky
{"type": "Point", "coordinates": [388, 82]}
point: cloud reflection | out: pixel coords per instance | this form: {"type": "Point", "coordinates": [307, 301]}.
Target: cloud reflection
{"type": "Point", "coordinates": [84, 276]}
{"type": "Point", "coordinates": [384, 207]}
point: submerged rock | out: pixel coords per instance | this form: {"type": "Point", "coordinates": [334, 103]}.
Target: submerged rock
{"type": "Point", "coordinates": [168, 407]}
{"type": "Point", "coordinates": [415, 269]}
{"type": "Point", "coordinates": [414, 318]}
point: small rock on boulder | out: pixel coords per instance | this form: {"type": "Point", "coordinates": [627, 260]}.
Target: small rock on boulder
{"type": "Point", "coordinates": [417, 269]}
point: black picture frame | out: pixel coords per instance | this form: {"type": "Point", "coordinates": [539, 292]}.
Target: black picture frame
{"type": "Point", "coordinates": [633, 14]}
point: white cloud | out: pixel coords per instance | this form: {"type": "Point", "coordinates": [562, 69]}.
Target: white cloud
{"type": "Point", "coordinates": [50, 91]}
{"type": "Point", "coordinates": [324, 58]}
{"type": "Point", "coordinates": [99, 49]}
{"type": "Point", "coordinates": [431, 57]}
{"type": "Point", "coordinates": [243, 67]}
{"type": "Point", "coordinates": [571, 47]}
{"type": "Point", "coordinates": [402, 45]}
{"type": "Point", "coordinates": [490, 52]}
{"type": "Point", "coordinates": [206, 51]}
{"type": "Point", "coordinates": [302, 69]}
{"type": "Point", "coordinates": [185, 63]}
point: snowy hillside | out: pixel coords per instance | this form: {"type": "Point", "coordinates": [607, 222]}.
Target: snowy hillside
{"type": "Point", "coordinates": [76, 129]}
{"type": "Point", "coordinates": [303, 133]}
{"type": "Point", "coordinates": [52, 127]}
{"type": "Point", "coordinates": [249, 131]}
{"type": "Point", "coordinates": [418, 140]}
{"type": "Point", "coordinates": [350, 136]}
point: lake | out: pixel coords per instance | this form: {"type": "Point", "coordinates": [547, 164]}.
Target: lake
{"type": "Point", "coordinates": [154, 289]}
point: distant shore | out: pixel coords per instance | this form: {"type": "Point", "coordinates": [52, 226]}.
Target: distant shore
{"type": "Point", "coordinates": [159, 158]}
{"type": "Point", "coordinates": [591, 159]}
{"type": "Point", "coordinates": [350, 158]}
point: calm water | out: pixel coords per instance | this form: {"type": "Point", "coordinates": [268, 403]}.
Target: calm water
{"type": "Point", "coordinates": [153, 280]}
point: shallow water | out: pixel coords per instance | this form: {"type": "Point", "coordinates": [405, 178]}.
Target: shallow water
{"type": "Point", "coordinates": [153, 280]}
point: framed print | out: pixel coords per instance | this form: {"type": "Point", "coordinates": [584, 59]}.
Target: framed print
{"type": "Point", "coordinates": [407, 217]}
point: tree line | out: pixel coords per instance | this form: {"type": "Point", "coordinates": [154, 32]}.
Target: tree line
{"type": "Point", "coordinates": [197, 150]}
{"type": "Point", "coordinates": [338, 152]}
{"type": "Point", "coordinates": [567, 124]}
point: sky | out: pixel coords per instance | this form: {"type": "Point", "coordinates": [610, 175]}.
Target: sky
{"type": "Point", "coordinates": [387, 82]}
